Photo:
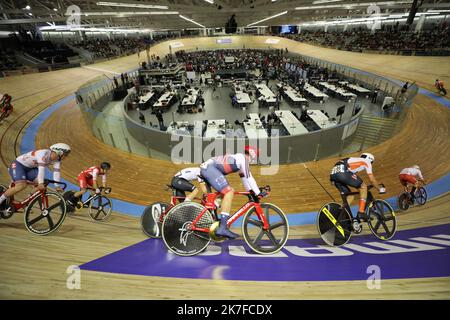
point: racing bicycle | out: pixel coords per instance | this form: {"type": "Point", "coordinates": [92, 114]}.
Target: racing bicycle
{"type": "Point", "coordinates": [189, 227]}
{"type": "Point", "coordinates": [405, 200]}
{"type": "Point", "coordinates": [100, 206]}
{"type": "Point", "coordinates": [336, 224]}
{"type": "Point", "coordinates": [45, 210]}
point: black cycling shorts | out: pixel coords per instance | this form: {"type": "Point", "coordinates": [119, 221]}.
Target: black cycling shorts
{"type": "Point", "coordinates": [344, 179]}
{"type": "Point", "coordinates": [181, 186]}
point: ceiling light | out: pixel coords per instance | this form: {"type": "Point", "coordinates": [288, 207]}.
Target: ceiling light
{"type": "Point", "coordinates": [187, 19]}
{"type": "Point", "coordinates": [120, 13]}
{"type": "Point", "coordinates": [271, 17]}
{"type": "Point", "coordinates": [131, 5]}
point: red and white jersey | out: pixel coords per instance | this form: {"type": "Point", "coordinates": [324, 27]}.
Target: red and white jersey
{"type": "Point", "coordinates": [230, 163]}
{"type": "Point", "coordinates": [93, 173]}
{"type": "Point", "coordinates": [413, 172]}
{"type": "Point", "coordinates": [40, 159]}
{"type": "Point", "coordinates": [359, 164]}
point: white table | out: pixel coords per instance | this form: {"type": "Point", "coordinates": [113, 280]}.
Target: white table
{"type": "Point", "coordinates": [243, 98]}
{"type": "Point", "coordinates": [321, 119]}
{"type": "Point", "coordinates": [266, 94]}
{"type": "Point", "coordinates": [290, 122]}
{"type": "Point", "coordinates": [179, 128]}
{"type": "Point", "coordinates": [316, 93]}
{"type": "Point", "coordinates": [214, 128]}
{"type": "Point", "coordinates": [165, 99]}
{"type": "Point", "coordinates": [254, 127]}
{"type": "Point", "coordinates": [145, 98]}
{"type": "Point", "coordinates": [294, 95]}
{"type": "Point", "coordinates": [337, 90]}
{"type": "Point", "coordinates": [358, 89]}
{"type": "Point", "coordinates": [191, 98]}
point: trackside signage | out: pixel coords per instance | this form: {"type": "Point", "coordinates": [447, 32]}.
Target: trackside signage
{"type": "Point", "coordinates": [416, 253]}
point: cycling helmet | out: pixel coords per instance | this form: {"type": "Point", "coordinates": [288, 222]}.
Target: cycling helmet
{"type": "Point", "coordinates": [252, 152]}
{"type": "Point", "coordinates": [368, 156]}
{"type": "Point", "coordinates": [60, 149]}
{"type": "Point", "coordinates": [105, 166]}
{"type": "Point", "coordinates": [416, 167]}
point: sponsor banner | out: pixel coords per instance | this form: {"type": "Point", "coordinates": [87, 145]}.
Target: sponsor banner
{"type": "Point", "coordinates": [417, 253]}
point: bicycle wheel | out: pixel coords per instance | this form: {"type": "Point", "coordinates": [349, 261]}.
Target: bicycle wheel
{"type": "Point", "coordinates": [403, 201]}
{"type": "Point", "coordinates": [266, 241]}
{"type": "Point", "coordinates": [421, 196]}
{"type": "Point", "coordinates": [100, 208]}
{"type": "Point", "coordinates": [381, 214]}
{"type": "Point", "coordinates": [177, 233]}
{"type": "Point", "coordinates": [42, 221]}
{"type": "Point", "coordinates": [152, 217]}
{"type": "Point", "coordinates": [5, 204]}
{"type": "Point", "coordinates": [334, 224]}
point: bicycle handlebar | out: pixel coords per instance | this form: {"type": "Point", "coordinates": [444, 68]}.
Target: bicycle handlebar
{"type": "Point", "coordinates": [107, 190]}
{"type": "Point", "coordinates": [48, 181]}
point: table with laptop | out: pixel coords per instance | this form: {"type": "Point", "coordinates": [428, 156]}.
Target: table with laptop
{"type": "Point", "coordinates": [290, 122]}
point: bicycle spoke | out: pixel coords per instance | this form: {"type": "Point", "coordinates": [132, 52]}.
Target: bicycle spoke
{"type": "Point", "coordinates": [260, 235]}
{"type": "Point", "coordinates": [53, 206]}
{"type": "Point", "coordinates": [50, 221]}
{"type": "Point", "coordinates": [276, 225]}
{"type": "Point", "coordinates": [37, 219]}
{"type": "Point", "coordinates": [98, 213]}
{"type": "Point", "coordinates": [271, 237]}
{"type": "Point", "coordinates": [255, 222]}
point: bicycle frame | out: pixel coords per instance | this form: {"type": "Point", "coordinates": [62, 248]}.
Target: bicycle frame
{"type": "Point", "coordinates": [210, 205]}
{"type": "Point", "coordinates": [22, 204]}
{"type": "Point", "coordinates": [344, 196]}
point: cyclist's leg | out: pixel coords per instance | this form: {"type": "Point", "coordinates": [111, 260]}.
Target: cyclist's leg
{"type": "Point", "coordinates": [218, 181]}
{"type": "Point", "coordinates": [82, 182]}
{"type": "Point", "coordinates": [353, 180]}
{"type": "Point", "coordinates": [20, 175]}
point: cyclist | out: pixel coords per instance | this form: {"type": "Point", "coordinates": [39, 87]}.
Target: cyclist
{"type": "Point", "coordinates": [88, 178]}
{"type": "Point", "coordinates": [181, 182]}
{"type": "Point", "coordinates": [439, 84]}
{"type": "Point", "coordinates": [344, 175]}
{"type": "Point", "coordinates": [5, 104]}
{"type": "Point", "coordinates": [30, 168]}
{"type": "Point", "coordinates": [411, 175]}
{"type": "Point", "coordinates": [214, 171]}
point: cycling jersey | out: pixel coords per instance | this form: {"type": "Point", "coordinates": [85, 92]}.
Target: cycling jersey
{"type": "Point", "coordinates": [189, 174]}
{"type": "Point", "coordinates": [92, 173]}
{"type": "Point", "coordinates": [40, 159]}
{"type": "Point", "coordinates": [413, 172]}
{"type": "Point", "coordinates": [215, 169]}
{"type": "Point", "coordinates": [359, 164]}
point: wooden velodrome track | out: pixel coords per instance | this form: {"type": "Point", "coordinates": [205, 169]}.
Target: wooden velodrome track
{"type": "Point", "coordinates": [34, 267]}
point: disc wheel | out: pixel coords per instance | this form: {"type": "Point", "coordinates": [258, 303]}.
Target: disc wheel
{"type": "Point", "coordinates": [381, 220]}
{"type": "Point", "coordinates": [43, 220]}
{"type": "Point", "coordinates": [177, 232]}
{"type": "Point", "coordinates": [152, 218]}
{"type": "Point", "coordinates": [267, 241]}
{"type": "Point", "coordinates": [334, 224]}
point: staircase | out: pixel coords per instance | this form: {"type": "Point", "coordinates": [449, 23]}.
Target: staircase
{"type": "Point", "coordinates": [374, 130]}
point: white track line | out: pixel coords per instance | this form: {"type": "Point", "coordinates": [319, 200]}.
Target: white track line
{"type": "Point", "coordinates": [102, 70]}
